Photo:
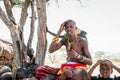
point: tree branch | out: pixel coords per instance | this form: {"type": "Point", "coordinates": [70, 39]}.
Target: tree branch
{"type": "Point", "coordinates": [80, 2]}
{"type": "Point", "coordinates": [6, 20]}
{"type": "Point", "coordinates": [22, 21]}
{"type": "Point", "coordinates": [54, 34]}
{"type": "Point", "coordinates": [57, 3]}
{"type": "Point", "coordinates": [24, 14]}
{"type": "Point", "coordinates": [9, 11]}
{"type": "Point", "coordinates": [32, 29]}
{"type": "Point", "coordinates": [6, 42]}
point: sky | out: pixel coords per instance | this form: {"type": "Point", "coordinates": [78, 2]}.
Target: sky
{"type": "Point", "coordinates": [99, 18]}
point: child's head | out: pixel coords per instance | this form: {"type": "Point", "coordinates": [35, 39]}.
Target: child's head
{"type": "Point", "coordinates": [21, 74]}
{"type": "Point", "coordinates": [105, 69]}
{"type": "Point", "coordinates": [80, 74]}
{"type": "Point", "coordinates": [30, 52]}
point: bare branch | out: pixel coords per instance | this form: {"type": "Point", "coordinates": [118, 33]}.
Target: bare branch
{"type": "Point", "coordinates": [12, 3]}
{"type": "Point", "coordinates": [24, 14]}
{"type": "Point", "coordinates": [80, 2]}
{"type": "Point", "coordinates": [54, 34]}
{"type": "Point", "coordinates": [33, 18]}
{"type": "Point", "coordinates": [57, 3]}
{"type": "Point", "coordinates": [9, 11]}
{"type": "Point", "coordinates": [6, 20]}
{"type": "Point", "coordinates": [6, 42]}
{"type": "Point", "coordinates": [22, 21]}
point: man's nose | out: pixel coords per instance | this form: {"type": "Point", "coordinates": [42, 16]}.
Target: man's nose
{"type": "Point", "coordinates": [69, 29]}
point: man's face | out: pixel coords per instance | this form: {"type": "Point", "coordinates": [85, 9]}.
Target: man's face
{"type": "Point", "coordinates": [105, 71]}
{"type": "Point", "coordinates": [70, 28]}
{"type": "Point", "coordinates": [30, 52]}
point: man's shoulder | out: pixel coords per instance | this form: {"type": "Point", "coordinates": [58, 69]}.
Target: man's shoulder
{"type": "Point", "coordinates": [81, 40]}
{"type": "Point", "coordinates": [63, 40]}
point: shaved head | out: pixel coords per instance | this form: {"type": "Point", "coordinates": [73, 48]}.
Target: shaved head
{"type": "Point", "coordinates": [80, 74]}
{"type": "Point", "coordinates": [70, 21]}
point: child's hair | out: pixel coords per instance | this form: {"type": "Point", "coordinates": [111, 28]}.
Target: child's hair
{"type": "Point", "coordinates": [105, 61]}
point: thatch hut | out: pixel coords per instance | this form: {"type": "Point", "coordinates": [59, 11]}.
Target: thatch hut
{"type": "Point", "coordinates": [6, 52]}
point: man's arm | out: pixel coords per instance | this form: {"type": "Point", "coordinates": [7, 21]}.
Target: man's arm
{"type": "Point", "coordinates": [87, 57]}
{"type": "Point", "coordinates": [55, 46]}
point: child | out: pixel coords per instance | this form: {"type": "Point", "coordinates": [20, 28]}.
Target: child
{"type": "Point", "coordinates": [106, 68]}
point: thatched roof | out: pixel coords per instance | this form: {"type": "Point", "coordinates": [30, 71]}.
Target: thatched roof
{"type": "Point", "coordinates": [5, 45]}
{"type": "Point", "coordinates": [6, 52]}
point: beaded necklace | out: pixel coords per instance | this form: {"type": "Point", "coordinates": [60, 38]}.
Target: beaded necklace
{"type": "Point", "coordinates": [70, 43]}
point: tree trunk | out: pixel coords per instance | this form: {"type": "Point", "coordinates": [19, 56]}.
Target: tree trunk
{"type": "Point", "coordinates": [42, 41]}
{"type": "Point", "coordinates": [16, 30]}
{"type": "Point", "coordinates": [17, 48]}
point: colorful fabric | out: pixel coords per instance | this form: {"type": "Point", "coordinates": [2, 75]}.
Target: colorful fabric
{"type": "Point", "coordinates": [44, 70]}
{"type": "Point", "coordinates": [72, 66]}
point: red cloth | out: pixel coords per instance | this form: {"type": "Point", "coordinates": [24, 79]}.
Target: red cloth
{"type": "Point", "coordinates": [44, 70]}
{"type": "Point", "coordinates": [72, 64]}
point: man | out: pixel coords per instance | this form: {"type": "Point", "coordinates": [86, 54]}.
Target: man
{"type": "Point", "coordinates": [30, 65]}
{"type": "Point", "coordinates": [30, 53]}
{"type": "Point", "coordinates": [106, 68]}
{"type": "Point", "coordinates": [76, 47]}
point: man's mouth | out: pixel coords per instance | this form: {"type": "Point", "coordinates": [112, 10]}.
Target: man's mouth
{"type": "Point", "coordinates": [105, 73]}
{"type": "Point", "coordinates": [69, 32]}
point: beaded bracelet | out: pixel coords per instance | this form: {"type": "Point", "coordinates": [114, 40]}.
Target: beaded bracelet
{"type": "Point", "coordinates": [83, 59]}
{"type": "Point", "coordinates": [55, 38]}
